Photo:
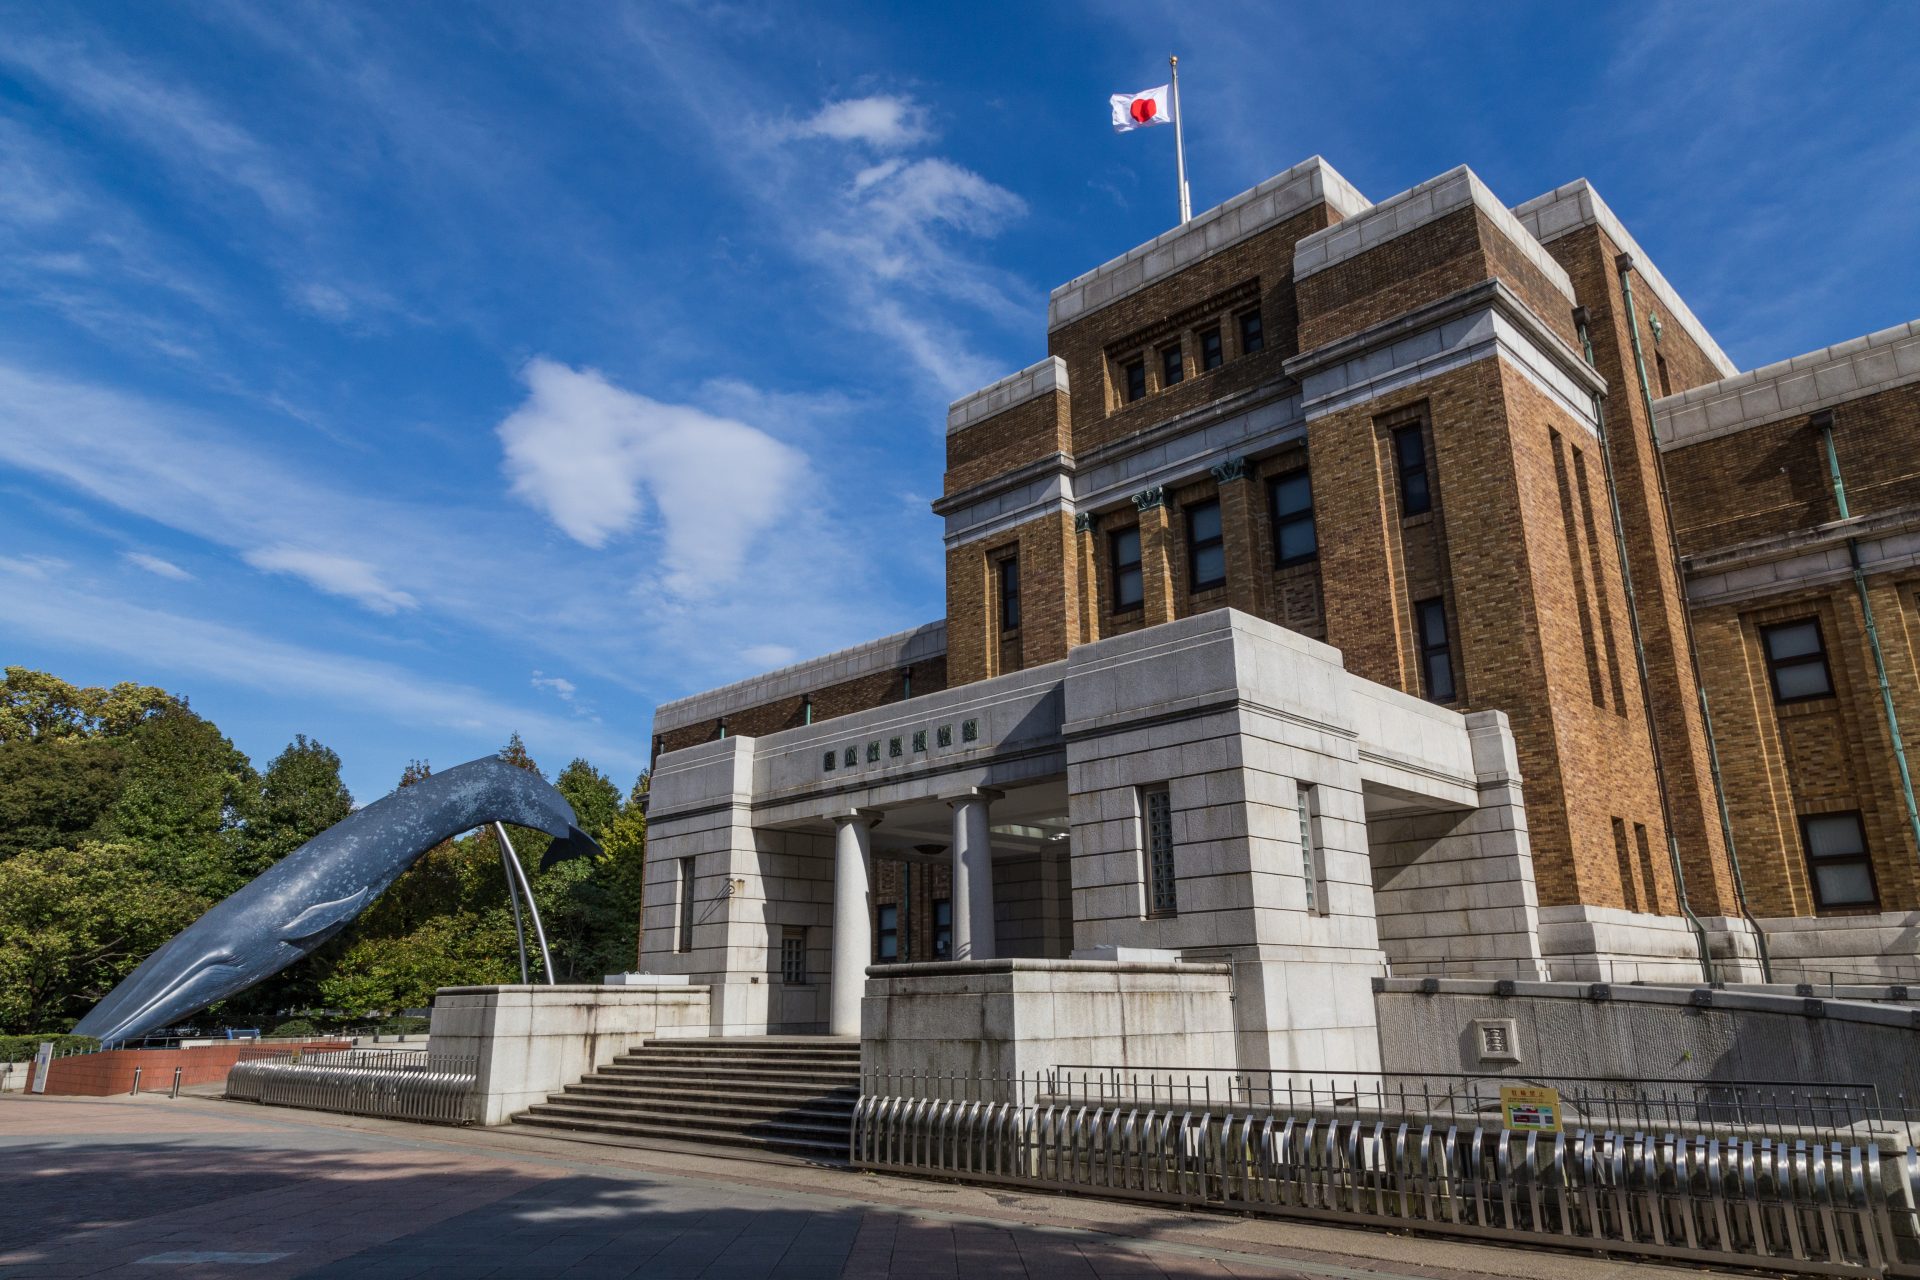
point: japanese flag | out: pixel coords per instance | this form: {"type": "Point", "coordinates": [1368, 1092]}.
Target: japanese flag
{"type": "Point", "coordinates": [1138, 110]}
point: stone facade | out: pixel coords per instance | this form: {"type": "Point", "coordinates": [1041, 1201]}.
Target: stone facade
{"type": "Point", "coordinates": [1443, 523]}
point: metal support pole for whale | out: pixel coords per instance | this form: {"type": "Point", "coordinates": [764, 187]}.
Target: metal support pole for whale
{"type": "Point", "coordinates": [307, 897]}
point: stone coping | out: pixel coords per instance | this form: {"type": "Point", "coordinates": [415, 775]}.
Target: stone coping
{"type": "Point", "coordinates": [1739, 999]}
{"type": "Point", "coordinates": [888, 653]}
{"type": "Point", "coordinates": [1457, 188]}
{"type": "Point", "coordinates": [1790, 388]}
{"type": "Point", "coordinates": [565, 988]}
{"type": "Point", "coordinates": [1030, 383]}
{"type": "Point", "coordinates": [1576, 204]}
{"type": "Point", "coordinates": [1280, 197]}
{"type": "Point", "coordinates": [961, 968]}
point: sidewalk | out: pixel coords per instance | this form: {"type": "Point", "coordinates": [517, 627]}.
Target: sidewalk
{"type": "Point", "coordinates": [197, 1186]}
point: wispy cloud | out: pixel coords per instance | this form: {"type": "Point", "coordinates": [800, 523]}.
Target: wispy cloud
{"type": "Point", "coordinates": [335, 574]}
{"type": "Point", "coordinates": [155, 565]}
{"type": "Point", "coordinates": [885, 122]}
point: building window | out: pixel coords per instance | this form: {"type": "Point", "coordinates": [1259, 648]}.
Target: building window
{"type": "Point", "coordinates": [943, 929]}
{"type": "Point", "coordinates": [1009, 571]}
{"type": "Point", "coordinates": [1172, 366]}
{"type": "Point", "coordinates": [886, 941]}
{"type": "Point", "coordinates": [1797, 661]}
{"type": "Point", "coordinates": [1136, 377]}
{"type": "Point", "coordinates": [1436, 655]}
{"type": "Point", "coordinates": [1291, 499]}
{"type": "Point", "coordinates": [1837, 860]}
{"type": "Point", "coordinates": [684, 940]}
{"type": "Point", "coordinates": [793, 957]}
{"type": "Point", "coordinates": [1310, 855]}
{"type": "Point", "coordinates": [1253, 335]}
{"type": "Point", "coordinates": [1129, 584]}
{"type": "Point", "coordinates": [1156, 821]}
{"type": "Point", "coordinates": [1206, 548]}
{"type": "Point", "coordinates": [1212, 353]}
{"type": "Point", "coordinates": [1410, 460]}
{"type": "Point", "coordinates": [1666, 382]}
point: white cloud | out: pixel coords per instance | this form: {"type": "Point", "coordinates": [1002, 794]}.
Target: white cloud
{"type": "Point", "coordinates": [769, 656]}
{"type": "Point", "coordinates": [586, 452]}
{"type": "Point", "coordinates": [37, 567]}
{"type": "Point", "coordinates": [885, 122]}
{"type": "Point", "coordinates": [155, 565]}
{"type": "Point", "coordinates": [559, 686]}
{"type": "Point", "coordinates": [916, 196]}
{"type": "Point", "coordinates": [334, 574]}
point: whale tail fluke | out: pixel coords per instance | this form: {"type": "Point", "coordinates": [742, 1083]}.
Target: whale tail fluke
{"type": "Point", "coordinates": [575, 844]}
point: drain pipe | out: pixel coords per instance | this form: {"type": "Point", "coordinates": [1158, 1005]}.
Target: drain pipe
{"type": "Point", "coordinates": [1823, 422]}
{"type": "Point", "coordinates": [1640, 655]}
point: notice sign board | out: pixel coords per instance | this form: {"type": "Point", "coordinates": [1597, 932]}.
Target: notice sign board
{"type": "Point", "coordinates": [1528, 1109]}
{"type": "Point", "coordinates": [42, 1061]}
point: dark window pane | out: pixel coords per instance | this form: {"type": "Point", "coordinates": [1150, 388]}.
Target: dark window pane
{"type": "Point", "coordinates": [1409, 448]}
{"type": "Point", "coordinates": [1252, 335]}
{"type": "Point", "coordinates": [1413, 493]}
{"type": "Point", "coordinates": [1297, 541]}
{"type": "Point", "coordinates": [1410, 459]}
{"type": "Point", "coordinates": [1163, 894]}
{"type": "Point", "coordinates": [1204, 521]}
{"type": "Point", "coordinates": [1172, 367]}
{"type": "Point", "coordinates": [1801, 680]}
{"type": "Point", "coordinates": [1009, 594]}
{"type": "Point", "coordinates": [1794, 640]}
{"type": "Point", "coordinates": [1209, 566]}
{"type": "Point", "coordinates": [1136, 380]}
{"type": "Point", "coordinates": [1846, 884]}
{"type": "Point", "coordinates": [1433, 624]}
{"type": "Point", "coordinates": [1292, 494]}
{"type": "Point", "coordinates": [1211, 355]}
{"type": "Point", "coordinates": [1439, 677]}
{"type": "Point", "coordinates": [1834, 833]}
{"type": "Point", "coordinates": [1126, 547]}
{"type": "Point", "coordinates": [1129, 589]}
{"type": "Point", "coordinates": [1436, 655]}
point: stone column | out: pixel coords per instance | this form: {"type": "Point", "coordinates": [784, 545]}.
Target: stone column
{"type": "Point", "coordinates": [1086, 528]}
{"type": "Point", "coordinates": [852, 921]}
{"type": "Point", "coordinates": [973, 934]}
{"type": "Point", "coordinates": [1156, 549]}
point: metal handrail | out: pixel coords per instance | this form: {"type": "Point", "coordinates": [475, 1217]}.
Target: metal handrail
{"type": "Point", "coordinates": [395, 1084]}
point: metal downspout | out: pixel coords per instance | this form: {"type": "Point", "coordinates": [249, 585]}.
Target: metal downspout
{"type": "Point", "coordinates": [1623, 264]}
{"type": "Point", "coordinates": [1824, 421]}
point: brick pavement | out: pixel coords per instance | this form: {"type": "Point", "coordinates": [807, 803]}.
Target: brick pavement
{"type": "Point", "coordinates": [196, 1186]}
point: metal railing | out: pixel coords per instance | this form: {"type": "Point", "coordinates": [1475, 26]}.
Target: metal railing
{"type": "Point", "coordinates": [395, 1084]}
{"type": "Point", "coordinates": [1761, 1186]}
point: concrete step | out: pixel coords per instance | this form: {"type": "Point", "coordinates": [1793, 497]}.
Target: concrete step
{"type": "Point", "coordinates": [699, 1077]}
{"type": "Point", "coordinates": [618, 1087]}
{"type": "Point", "coordinates": [673, 1138]}
{"type": "Point", "coordinates": [686, 1062]}
{"type": "Point", "coordinates": [680, 1124]}
{"type": "Point", "coordinates": [744, 1110]}
{"type": "Point", "coordinates": [755, 1053]}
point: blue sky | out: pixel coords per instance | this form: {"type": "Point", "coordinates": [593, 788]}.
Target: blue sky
{"type": "Point", "coordinates": [408, 375]}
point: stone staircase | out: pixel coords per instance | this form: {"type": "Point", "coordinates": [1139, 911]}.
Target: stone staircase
{"type": "Point", "coordinates": [791, 1095]}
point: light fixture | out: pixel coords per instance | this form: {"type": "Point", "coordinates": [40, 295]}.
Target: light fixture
{"type": "Point", "coordinates": [1653, 322]}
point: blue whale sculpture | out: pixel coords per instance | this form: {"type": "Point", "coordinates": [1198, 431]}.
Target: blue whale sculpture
{"type": "Point", "coordinates": [291, 908]}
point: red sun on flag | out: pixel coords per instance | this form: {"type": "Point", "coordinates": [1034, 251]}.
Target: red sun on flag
{"type": "Point", "coordinates": [1143, 110]}
{"type": "Point", "coordinates": [1139, 110]}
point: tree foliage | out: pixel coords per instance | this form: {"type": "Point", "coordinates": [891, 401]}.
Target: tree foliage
{"type": "Point", "coordinates": [124, 815]}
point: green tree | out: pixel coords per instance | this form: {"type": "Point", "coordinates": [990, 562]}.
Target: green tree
{"type": "Point", "coordinates": [300, 796]}
{"type": "Point", "coordinates": [35, 706]}
{"type": "Point", "coordinates": [182, 792]}
{"type": "Point", "coordinates": [54, 793]}
{"type": "Point", "coordinates": [73, 922]}
{"type": "Point", "coordinates": [595, 800]}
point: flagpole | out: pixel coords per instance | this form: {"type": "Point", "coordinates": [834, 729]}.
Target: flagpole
{"type": "Point", "coordinates": [1180, 144]}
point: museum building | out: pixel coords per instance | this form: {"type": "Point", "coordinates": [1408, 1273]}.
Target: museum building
{"type": "Point", "coordinates": [1355, 589]}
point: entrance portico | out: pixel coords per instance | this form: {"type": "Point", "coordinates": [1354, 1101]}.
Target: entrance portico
{"type": "Point", "coordinates": [1204, 788]}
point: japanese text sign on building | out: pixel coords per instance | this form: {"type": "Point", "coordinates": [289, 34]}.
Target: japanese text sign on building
{"type": "Point", "coordinates": [1528, 1109]}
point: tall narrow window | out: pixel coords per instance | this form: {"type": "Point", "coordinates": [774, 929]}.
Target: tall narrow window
{"type": "Point", "coordinates": [1410, 461]}
{"type": "Point", "coordinates": [1206, 548]}
{"type": "Point", "coordinates": [1009, 571]}
{"type": "Point", "coordinates": [793, 957]}
{"type": "Point", "coordinates": [1253, 335]}
{"type": "Point", "coordinates": [1156, 821]}
{"type": "Point", "coordinates": [684, 940]}
{"type": "Point", "coordinates": [1212, 355]}
{"type": "Point", "coordinates": [1129, 585]}
{"type": "Point", "coordinates": [1173, 366]}
{"type": "Point", "coordinates": [1837, 859]}
{"type": "Point", "coordinates": [1797, 661]}
{"type": "Point", "coordinates": [943, 928]}
{"type": "Point", "coordinates": [1136, 380]}
{"type": "Point", "coordinates": [1436, 654]}
{"type": "Point", "coordinates": [886, 939]}
{"type": "Point", "coordinates": [1666, 383]}
{"type": "Point", "coordinates": [1291, 498]}
{"type": "Point", "coordinates": [1310, 856]}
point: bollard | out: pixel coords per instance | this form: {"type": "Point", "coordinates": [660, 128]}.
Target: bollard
{"type": "Point", "coordinates": [136, 1081]}
{"type": "Point", "coordinates": [176, 1083]}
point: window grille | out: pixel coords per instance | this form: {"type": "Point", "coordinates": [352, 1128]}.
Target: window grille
{"type": "Point", "coordinates": [793, 957]}
{"type": "Point", "coordinates": [1157, 817]}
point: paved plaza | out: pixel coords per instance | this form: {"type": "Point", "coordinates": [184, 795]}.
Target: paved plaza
{"type": "Point", "coordinates": [152, 1186]}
